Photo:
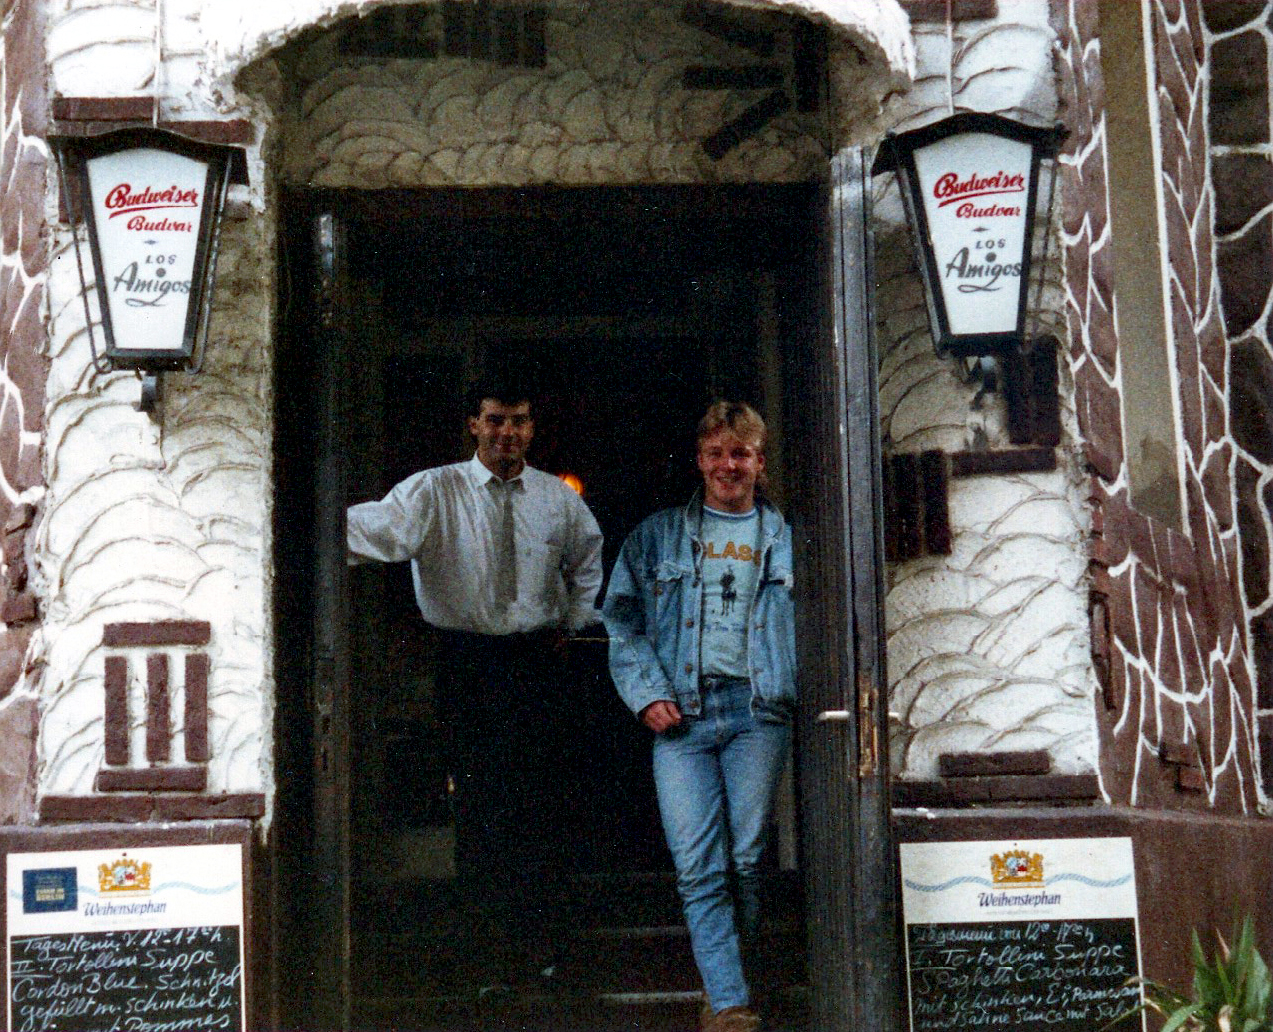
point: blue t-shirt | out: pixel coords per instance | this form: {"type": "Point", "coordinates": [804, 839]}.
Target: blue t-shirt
{"type": "Point", "coordinates": [731, 569]}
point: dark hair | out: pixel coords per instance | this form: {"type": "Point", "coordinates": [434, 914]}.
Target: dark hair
{"type": "Point", "coordinates": [506, 392]}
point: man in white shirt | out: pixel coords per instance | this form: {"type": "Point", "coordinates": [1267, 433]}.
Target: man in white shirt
{"type": "Point", "coordinates": [506, 563]}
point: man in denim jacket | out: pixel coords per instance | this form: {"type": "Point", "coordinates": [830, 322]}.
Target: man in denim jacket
{"type": "Point", "coordinates": [702, 649]}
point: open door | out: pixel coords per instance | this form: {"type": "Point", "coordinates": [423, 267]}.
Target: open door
{"type": "Point", "coordinates": [848, 861]}
{"type": "Point", "coordinates": [821, 375]}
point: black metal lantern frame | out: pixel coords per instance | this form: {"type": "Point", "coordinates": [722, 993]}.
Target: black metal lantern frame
{"type": "Point", "coordinates": [953, 164]}
{"type": "Point", "coordinates": [150, 272]}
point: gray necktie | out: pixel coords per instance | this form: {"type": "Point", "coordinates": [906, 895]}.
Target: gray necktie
{"type": "Point", "coordinates": [506, 548]}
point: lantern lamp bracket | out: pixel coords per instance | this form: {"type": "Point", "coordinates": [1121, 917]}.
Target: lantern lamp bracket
{"type": "Point", "coordinates": [151, 202]}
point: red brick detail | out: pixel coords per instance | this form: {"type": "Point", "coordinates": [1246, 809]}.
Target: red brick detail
{"type": "Point", "coordinates": [196, 722]}
{"type": "Point", "coordinates": [966, 765]}
{"type": "Point", "coordinates": [152, 779]}
{"type": "Point", "coordinates": [158, 633]}
{"type": "Point", "coordinates": [1004, 461]}
{"type": "Point", "coordinates": [19, 609]}
{"type": "Point", "coordinates": [116, 717]}
{"type": "Point", "coordinates": [141, 807]}
{"type": "Point", "coordinates": [957, 10]}
{"type": "Point", "coordinates": [1008, 788]}
{"type": "Point", "coordinates": [190, 808]}
{"type": "Point", "coordinates": [130, 809]}
{"type": "Point", "coordinates": [158, 724]}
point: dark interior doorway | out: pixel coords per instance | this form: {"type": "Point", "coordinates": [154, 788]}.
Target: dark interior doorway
{"type": "Point", "coordinates": [631, 309]}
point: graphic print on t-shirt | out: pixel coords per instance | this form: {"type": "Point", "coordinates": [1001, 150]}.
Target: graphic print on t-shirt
{"type": "Point", "coordinates": [731, 567]}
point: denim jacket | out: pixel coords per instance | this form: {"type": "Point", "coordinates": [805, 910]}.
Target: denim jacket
{"type": "Point", "coordinates": [653, 609]}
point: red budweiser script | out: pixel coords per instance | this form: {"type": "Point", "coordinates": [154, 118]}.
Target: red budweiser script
{"type": "Point", "coordinates": [949, 188]}
{"type": "Point", "coordinates": [121, 200]}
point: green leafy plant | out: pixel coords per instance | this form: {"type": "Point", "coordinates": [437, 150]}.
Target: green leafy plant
{"type": "Point", "coordinates": [1231, 993]}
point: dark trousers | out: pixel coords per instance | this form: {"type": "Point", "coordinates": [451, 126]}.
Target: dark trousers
{"type": "Point", "coordinates": [502, 706]}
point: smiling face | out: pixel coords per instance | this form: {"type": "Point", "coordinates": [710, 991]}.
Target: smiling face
{"type": "Point", "coordinates": [731, 467]}
{"type": "Point", "coordinates": [503, 434]}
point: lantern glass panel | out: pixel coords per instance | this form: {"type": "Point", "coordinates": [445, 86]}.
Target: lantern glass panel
{"type": "Point", "coordinates": [147, 205]}
{"type": "Point", "coordinates": [974, 188]}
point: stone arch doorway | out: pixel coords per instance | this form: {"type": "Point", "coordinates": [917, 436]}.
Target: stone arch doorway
{"type": "Point", "coordinates": [465, 132]}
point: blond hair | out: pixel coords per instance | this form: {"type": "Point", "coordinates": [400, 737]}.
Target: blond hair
{"type": "Point", "coordinates": [738, 417]}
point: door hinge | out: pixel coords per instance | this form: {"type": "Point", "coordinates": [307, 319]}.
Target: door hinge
{"type": "Point", "coordinates": [868, 732]}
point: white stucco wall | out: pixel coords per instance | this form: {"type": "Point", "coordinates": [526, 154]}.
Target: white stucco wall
{"type": "Point", "coordinates": [988, 648]}
{"type": "Point", "coordinates": [149, 520]}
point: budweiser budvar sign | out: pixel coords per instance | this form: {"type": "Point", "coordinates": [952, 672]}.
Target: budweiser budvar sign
{"type": "Point", "coordinates": [147, 206]}
{"type": "Point", "coordinates": [974, 189]}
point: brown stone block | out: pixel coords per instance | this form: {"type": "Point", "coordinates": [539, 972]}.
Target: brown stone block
{"type": "Point", "coordinates": [15, 575]}
{"type": "Point", "coordinates": [1212, 350]}
{"type": "Point", "coordinates": [121, 808]}
{"type": "Point", "coordinates": [1216, 488]}
{"type": "Point", "coordinates": [1182, 560]}
{"type": "Point", "coordinates": [1251, 398]}
{"type": "Point", "coordinates": [19, 722]}
{"type": "Point", "coordinates": [1243, 186]}
{"type": "Point", "coordinates": [20, 517]}
{"type": "Point", "coordinates": [32, 174]}
{"type": "Point", "coordinates": [1073, 202]}
{"type": "Point", "coordinates": [1076, 273]}
{"type": "Point", "coordinates": [1245, 265]}
{"type": "Point", "coordinates": [1180, 244]}
{"type": "Point", "coordinates": [1168, 659]}
{"type": "Point", "coordinates": [1102, 335]}
{"type": "Point", "coordinates": [157, 633]}
{"type": "Point", "coordinates": [13, 647]}
{"type": "Point", "coordinates": [1122, 613]}
{"type": "Point", "coordinates": [20, 608]}
{"type": "Point", "coordinates": [156, 779]}
{"type": "Point", "coordinates": [1227, 15]}
{"type": "Point", "coordinates": [201, 807]}
{"type": "Point", "coordinates": [27, 368]}
{"type": "Point", "coordinates": [1253, 533]}
{"type": "Point", "coordinates": [1239, 90]}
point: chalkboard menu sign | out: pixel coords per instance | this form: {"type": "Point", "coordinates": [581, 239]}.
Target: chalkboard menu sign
{"type": "Point", "coordinates": [1020, 935]}
{"type": "Point", "coordinates": [149, 940]}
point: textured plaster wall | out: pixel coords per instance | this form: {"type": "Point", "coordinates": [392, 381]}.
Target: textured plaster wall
{"type": "Point", "coordinates": [608, 108]}
{"type": "Point", "coordinates": [988, 648]}
{"type": "Point", "coordinates": [151, 520]}
{"type": "Point", "coordinates": [164, 518]}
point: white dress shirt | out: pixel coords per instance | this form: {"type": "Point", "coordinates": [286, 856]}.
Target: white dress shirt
{"type": "Point", "coordinates": [446, 520]}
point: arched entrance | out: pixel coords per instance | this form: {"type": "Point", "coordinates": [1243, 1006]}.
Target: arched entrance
{"type": "Point", "coordinates": [729, 258]}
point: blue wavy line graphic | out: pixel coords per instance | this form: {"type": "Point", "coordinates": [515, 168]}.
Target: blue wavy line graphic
{"type": "Point", "coordinates": [197, 889]}
{"type": "Point", "coordinates": [1082, 879]}
{"type": "Point", "coordinates": [967, 878]}
{"type": "Point", "coordinates": [1091, 882]}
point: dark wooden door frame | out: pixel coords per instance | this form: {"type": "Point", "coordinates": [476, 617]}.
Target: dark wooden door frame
{"type": "Point", "coordinates": [851, 896]}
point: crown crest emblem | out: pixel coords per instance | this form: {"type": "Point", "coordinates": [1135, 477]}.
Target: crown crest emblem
{"type": "Point", "coordinates": [1017, 867]}
{"type": "Point", "coordinates": [124, 875]}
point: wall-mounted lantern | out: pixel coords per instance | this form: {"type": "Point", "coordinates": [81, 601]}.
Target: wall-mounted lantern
{"type": "Point", "coordinates": [152, 202]}
{"type": "Point", "coordinates": [970, 187]}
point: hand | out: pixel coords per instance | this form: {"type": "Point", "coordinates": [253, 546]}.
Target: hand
{"type": "Point", "coordinates": [661, 715]}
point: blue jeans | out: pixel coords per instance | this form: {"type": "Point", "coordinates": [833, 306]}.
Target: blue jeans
{"type": "Point", "coordinates": [716, 775]}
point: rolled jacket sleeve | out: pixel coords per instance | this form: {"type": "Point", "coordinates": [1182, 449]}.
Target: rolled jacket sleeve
{"type": "Point", "coordinates": [634, 665]}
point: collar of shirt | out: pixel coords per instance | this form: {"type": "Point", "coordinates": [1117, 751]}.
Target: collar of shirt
{"type": "Point", "coordinates": [481, 476]}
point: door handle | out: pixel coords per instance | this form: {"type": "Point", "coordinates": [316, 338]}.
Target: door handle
{"type": "Point", "coordinates": [838, 716]}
